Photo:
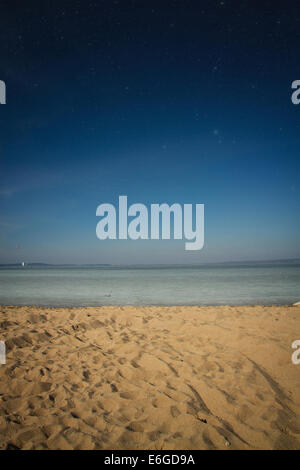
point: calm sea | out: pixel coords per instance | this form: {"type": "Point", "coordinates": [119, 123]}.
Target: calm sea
{"type": "Point", "coordinates": [205, 285]}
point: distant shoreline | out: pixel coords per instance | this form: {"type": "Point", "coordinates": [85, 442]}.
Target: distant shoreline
{"type": "Point", "coordinates": [214, 263]}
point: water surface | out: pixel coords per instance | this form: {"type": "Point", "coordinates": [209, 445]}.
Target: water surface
{"type": "Point", "coordinates": [204, 285]}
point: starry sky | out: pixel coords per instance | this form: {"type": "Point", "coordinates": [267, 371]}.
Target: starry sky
{"type": "Point", "coordinates": [175, 101]}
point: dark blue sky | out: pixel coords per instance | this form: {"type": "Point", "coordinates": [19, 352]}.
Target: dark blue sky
{"type": "Point", "coordinates": [174, 101]}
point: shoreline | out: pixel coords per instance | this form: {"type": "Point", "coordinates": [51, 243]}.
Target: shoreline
{"type": "Point", "coordinates": [76, 307]}
{"type": "Point", "coordinates": [150, 377]}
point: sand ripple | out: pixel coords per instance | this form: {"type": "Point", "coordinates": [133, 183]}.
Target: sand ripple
{"type": "Point", "coordinates": [150, 378]}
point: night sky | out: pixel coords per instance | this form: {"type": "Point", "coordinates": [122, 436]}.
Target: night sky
{"type": "Point", "coordinates": [163, 101]}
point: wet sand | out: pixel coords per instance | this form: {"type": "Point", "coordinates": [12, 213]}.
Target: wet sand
{"type": "Point", "coordinates": [150, 378]}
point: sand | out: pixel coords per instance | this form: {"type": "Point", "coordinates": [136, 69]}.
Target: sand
{"type": "Point", "coordinates": [150, 378]}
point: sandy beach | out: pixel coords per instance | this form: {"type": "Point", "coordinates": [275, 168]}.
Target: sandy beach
{"type": "Point", "coordinates": [150, 378]}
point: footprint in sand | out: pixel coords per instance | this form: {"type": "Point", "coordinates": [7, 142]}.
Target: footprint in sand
{"type": "Point", "coordinates": [174, 411]}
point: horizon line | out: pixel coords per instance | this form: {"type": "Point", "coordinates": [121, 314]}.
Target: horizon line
{"type": "Point", "coordinates": [277, 260]}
